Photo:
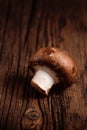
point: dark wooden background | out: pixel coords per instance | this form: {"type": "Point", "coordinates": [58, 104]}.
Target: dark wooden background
{"type": "Point", "coordinates": [25, 26]}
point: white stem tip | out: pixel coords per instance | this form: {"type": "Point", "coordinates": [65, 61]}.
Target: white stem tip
{"type": "Point", "coordinates": [43, 81]}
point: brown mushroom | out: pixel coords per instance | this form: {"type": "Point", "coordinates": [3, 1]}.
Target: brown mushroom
{"type": "Point", "coordinates": [50, 66]}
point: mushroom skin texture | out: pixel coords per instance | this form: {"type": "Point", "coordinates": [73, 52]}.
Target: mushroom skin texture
{"type": "Point", "coordinates": [51, 65]}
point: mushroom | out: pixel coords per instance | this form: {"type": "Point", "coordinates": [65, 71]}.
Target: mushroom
{"type": "Point", "coordinates": [50, 66]}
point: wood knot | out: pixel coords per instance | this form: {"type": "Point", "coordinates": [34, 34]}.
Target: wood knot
{"type": "Point", "coordinates": [31, 119]}
{"type": "Point", "coordinates": [33, 115]}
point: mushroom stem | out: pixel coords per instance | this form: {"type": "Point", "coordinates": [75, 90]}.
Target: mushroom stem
{"type": "Point", "coordinates": [43, 81]}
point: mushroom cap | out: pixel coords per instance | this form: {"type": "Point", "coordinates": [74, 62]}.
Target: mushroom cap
{"type": "Point", "coordinates": [57, 60]}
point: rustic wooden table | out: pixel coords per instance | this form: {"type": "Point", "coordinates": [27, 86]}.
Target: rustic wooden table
{"type": "Point", "coordinates": [26, 26]}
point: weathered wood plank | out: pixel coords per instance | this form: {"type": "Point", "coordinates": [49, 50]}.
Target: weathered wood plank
{"type": "Point", "coordinates": [26, 26]}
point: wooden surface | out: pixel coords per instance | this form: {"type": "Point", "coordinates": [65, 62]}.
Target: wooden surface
{"type": "Point", "coordinates": [26, 26]}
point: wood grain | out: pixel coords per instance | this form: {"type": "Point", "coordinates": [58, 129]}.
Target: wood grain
{"type": "Point", "coordinates": [25, 26]}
